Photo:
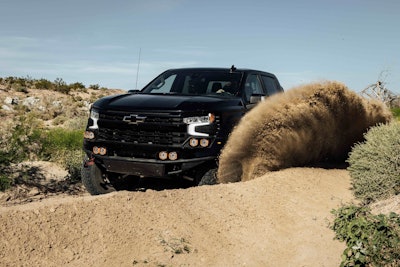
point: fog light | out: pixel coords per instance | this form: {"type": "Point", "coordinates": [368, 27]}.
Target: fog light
{"type": "Point", "coordinates": [173, 155]}
{"type": "Point", "coordinates": [88, 135]}
{"type": "Point", "coordinates": [103, 151]}
{"type": "Point", "coordinates": [193, 142]}
{"type": "Point", "coordinates": [163, 155]}
{"type": "Point", "coordinates": [204, 142]}
{"type": "Point", "coordinates": [96, 150]}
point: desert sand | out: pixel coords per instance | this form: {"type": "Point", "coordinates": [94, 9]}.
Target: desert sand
{"type": "Point", "coordinates": [279, 219]}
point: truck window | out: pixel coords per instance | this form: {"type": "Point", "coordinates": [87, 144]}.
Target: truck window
{"type": "Point", "coordinates": [163, 85]}
{"type": "Point", "coordinates": [252, 86]}
{"type": "Point", "coordinates": [196, 83]}
{"type": "Point", "coordinates": [270, 84]}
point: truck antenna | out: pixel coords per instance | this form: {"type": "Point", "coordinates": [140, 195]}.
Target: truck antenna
{"type": "Point", "coordinates": [137, 70]}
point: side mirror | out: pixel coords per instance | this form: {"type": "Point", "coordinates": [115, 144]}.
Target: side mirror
{"type": "Point", "coordinates": [133, 91]}
{"type": "Point", "coordinates": [254, 99]}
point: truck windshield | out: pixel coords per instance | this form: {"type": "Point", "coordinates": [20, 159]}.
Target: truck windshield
{"type": "Point", "coordinates": [207, 82]}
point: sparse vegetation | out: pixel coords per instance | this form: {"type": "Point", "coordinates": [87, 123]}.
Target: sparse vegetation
{"type": "Point", "coordinates": [49, 127]}
{"type": "Point", "coordinates": [396, 112]}
{"type": "Point", "coordinates": [375, 163]}
{"type": "Point", "coordinates": [21, 84]}
{"type": "Point", "coordinates": [372, 240]}
{"type": "Point", "coordinates": [5, 182]}
{"type": "Point", "coordinates": [176, 245]}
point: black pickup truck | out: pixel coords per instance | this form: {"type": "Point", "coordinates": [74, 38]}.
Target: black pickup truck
{"type": "Point", "coordinates": [174, 127]}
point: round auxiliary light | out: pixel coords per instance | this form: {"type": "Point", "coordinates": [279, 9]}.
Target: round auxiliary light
{"type": "Point", "coordinates": [204, 142]}
{"type": "Point", "coordinates": [96, 150]}
{"type": "Point", "coordinates": [173, 156]}
{"type": "Point", "coordinates": [193, 142]}
{"type": "Point", "coordinates": [163, 155]}
{"type": "Point", "coordinates": [103, 151]}
{"type": "Point", "coordinates": [88, 135]}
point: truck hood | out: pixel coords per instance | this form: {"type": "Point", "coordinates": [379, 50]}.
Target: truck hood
{"type": "Point", "coordinates": [129, 102]}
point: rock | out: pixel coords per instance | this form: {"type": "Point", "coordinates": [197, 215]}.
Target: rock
{"type": "Point", "coordinates": [57, 103]}
{"type": "Point", "coordinates": [11, 100]}
{"type": "Point", "coordinates": [30, 101]}
{"type": "Point", "coordinates": [6, 108]}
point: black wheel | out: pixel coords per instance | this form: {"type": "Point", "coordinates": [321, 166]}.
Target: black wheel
{"type": "Point", "coordinates": [209, 178]}
{"type": "Point", "coordinates": [95, 180]}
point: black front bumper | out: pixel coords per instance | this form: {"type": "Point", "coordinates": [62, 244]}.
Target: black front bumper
{"type": "Point", "coordinates": [149, 167]}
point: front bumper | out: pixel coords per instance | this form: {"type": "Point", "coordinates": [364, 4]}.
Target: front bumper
{"type": "Point", "coordinates": [149, 167]}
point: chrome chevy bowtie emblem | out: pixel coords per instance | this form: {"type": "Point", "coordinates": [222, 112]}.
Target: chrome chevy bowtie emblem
{"type": "Point", "coordinates": [134, 119]}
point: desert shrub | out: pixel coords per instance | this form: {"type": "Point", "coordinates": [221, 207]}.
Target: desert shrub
{"type": "Point", "coordinates": [77, 86]}
{"type": "Point", "coordinates": [21, 89]}
{"type": "Point", "coordinates": [73, 164]}
{"type": "Point", "coordinates": [94, 86]}
{"type": "Point", "coordinates": [59, 120]}
{"type": "Point", "coordinates": [20, 139]}
{"type": "Point", "coordinates": [372, 240]}
{"type": "Point", "coordinates": [77, 123]}
{"type": "Point", "coordinates": [26, 138]}
{"type": "Point", "coordinates": [396, 112]}
{"type": "Point", "coordinates": [375, 163]}
{"type": "Point", "coordinates": [78, 98]}
{"type": "Point", "coordinates": [5, 182]}
{"type": "Point", "coordinates": [61, 86]}
{"type": "Point", "coordinates": [43, 84]}
{"type": "Point", "coordinates": [58, 140]}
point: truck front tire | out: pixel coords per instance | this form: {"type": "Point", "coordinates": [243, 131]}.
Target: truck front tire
{"type": "Point", "coordinates": [93, 178]}
{"type": "Point", "coordinates": [209, 178]}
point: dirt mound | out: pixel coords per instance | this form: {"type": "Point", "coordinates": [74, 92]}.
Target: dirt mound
{"type": "Point", "coordinates": [308, 124]}
{"type": "Point", "coordinates": [37, 180]}
{"type": "Point", "coordinates": [280, 219]}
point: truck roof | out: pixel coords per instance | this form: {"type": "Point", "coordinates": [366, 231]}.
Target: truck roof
{"type": "Point", "coordinates": [233, 69]}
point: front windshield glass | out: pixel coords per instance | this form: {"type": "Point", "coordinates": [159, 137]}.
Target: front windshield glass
{"type": "Point", "coordinates": [196, 82]}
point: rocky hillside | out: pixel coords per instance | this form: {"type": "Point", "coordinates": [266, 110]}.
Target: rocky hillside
{"type": "Point", "coordinates": [53, 107]}
{"type": "Point", "coordinates": [41, 125]}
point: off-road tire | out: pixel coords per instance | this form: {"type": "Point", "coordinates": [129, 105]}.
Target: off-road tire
{"type": "Point", "coordinates": [93, 180]}
{"type": "Point", "coordinates": [209, 178]}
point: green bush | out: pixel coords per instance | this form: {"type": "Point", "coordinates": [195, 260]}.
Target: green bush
{"type": "Point", "coordinates": [77, 86]}
{"type": "Point", "coordinates": [94, 86]}
{"type": "Point", "coordinates": [374, 165]}
{"type": "Point", "coordinates": [5, 182]}
{"type": "Point", "coordinates": [58, 140]}
{"type": "Point", "coordinates": [43, 84]}
{"type": "Point", "coordinates": [73, 164]}
{"type": "Point", "coordinates": [26, 138]}
{"type": "Point", "coordinates": [21, 139]}
{"type": "Point", "coordinates": [372, 240]}
{"type": "Point", "coordinates": [396, 113]}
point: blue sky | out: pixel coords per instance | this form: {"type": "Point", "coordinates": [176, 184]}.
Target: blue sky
{"type": "Point", "coordinates": [98, 41]}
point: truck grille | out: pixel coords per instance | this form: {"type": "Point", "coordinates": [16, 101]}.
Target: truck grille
{"type": "Point", "coordinates": [143, 128]}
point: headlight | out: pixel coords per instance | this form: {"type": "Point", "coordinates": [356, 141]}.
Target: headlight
{"type": "Point", "coordinates": [210, 118]}
{"type": "Point", "coordinates": [193, 122]}
{"type": "Point", "coordinates": [94, 115]}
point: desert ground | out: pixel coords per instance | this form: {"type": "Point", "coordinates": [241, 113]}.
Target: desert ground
{"type": "Point", "coordinates": [277, 215]}
{"type": "Point", "coordinates": [279, 219]}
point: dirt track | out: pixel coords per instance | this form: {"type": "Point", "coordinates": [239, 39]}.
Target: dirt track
{"type": "Point", "coordinates": [279, 219]}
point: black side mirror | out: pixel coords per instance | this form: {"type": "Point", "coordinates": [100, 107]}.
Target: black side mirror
{"type": "Point", "coordinates": [254, 99]}
{"type": "Point", "coordinates": [133, 91]}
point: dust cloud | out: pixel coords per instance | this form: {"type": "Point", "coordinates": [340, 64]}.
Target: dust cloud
{"type": "Point", "coordinates": [308, 124]}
